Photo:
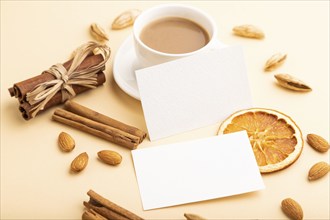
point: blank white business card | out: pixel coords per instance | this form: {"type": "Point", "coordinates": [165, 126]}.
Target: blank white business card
{"type": "Point", "coordinates": [193, 92]}
{"type": "Point", "coordinates": [198, 170]}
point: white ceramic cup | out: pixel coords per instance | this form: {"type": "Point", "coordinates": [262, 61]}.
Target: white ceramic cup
{"type": "Point", "coordinates": [147, 56]}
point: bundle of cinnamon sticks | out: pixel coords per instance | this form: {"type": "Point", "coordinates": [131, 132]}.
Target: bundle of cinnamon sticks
{"type": "Point", "coordinates": [100, 125]}
{"type": "Point", "coordinates": [21, 89]}
{"type": "Point", "coordinates": [99, 208]}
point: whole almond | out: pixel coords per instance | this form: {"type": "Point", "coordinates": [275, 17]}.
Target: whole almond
{"type": "Point", "coordinates": [292, 83]}
{"type": "Point", "coordinates": [248, 31]}
{"type": "Point", "coordinates": [318, 142]}
{"type": "Point", "coordinates": [190, 216]}
{"type": "Point", "coordinates": [66, 142]}
{"type": "Point", "coordinates": [80, 162]}
{"type": "Point", "coordinates": [125, 19]}
{"type": "Point", "coordinates": [275, 61]}
{"type": "Point", "coordinates": [110, 157]}
{"type": "Point", "coordinates": [292, 209]}
{"type": "Point", "coordinates": [318, 170]}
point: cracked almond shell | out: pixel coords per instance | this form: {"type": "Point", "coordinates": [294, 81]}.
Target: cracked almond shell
{"type": "Point", "coordinates": [292, 83]}
{"type": "Point", "coordinates": [275, 61]}
{"type": "Point", "coordinates": [125, 19]}
{"type": "Point", "coordinates": [98, 32]}
{"type": "Point", "coordinates": [249, 31]}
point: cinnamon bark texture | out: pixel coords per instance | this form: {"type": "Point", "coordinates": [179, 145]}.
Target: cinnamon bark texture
{"type": "Point", "coordinates": [22, 88]}
{"type": "Point", "coordinates": [92, 215]}
{"type": "Point", "coordinates": [99, 206]}
{"type": "Point", "coordinates": [93, 115]}
{"type": "Point", "coordinates": [62, 81]}
{"type": "Point", "coordinates": [102, 126]}
{"type": "Point", "coordinates": [26, 109]}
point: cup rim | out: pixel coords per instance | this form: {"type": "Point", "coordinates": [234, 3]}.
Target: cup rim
{"type": "Point", "coordinates": [209, 18]}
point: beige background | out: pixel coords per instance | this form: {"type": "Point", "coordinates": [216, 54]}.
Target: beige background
{"type": "Point", "coordinates": [35, 178]}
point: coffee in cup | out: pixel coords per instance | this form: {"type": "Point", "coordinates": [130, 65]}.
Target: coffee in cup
{"type": "Point", "coordinates": [173, 39]}
{"type": "Point", "coordinates": [174, 35]}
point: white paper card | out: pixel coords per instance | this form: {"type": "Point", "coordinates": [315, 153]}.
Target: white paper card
{"type": "Point", "coordinates": [193, 92]}
{"type": "Point", "coordinates": [197, 170]}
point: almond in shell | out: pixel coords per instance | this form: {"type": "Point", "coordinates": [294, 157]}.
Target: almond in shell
{"type": "Point", "coordinates": [66, 142]}
{"type": "Point", "coordinates": [249, 31]}
{"type": "Point", "coordinates": [190, 216]}
{"type": "Point", "coordinates": [98, 32]}
{"type": "Point", "coordinates": [292, 83]}
{"type": "Point", "coordinates": [318, 142]}
{"type": "Point", "coordinates": [110, 157]}
{"type": "Point", "coordinates": [275, 61]}
{"type": "Point", "coordinates": [125, 19]}
{"type": "Point", "coordinates": [292, 209]}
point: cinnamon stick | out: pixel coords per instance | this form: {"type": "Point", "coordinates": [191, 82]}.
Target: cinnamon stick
{"type": "Point", "coordinates": [20, 89]}
{"type": "Point", "coordinates": [103, 211]}
{"type": "Point", "coordinates": [11, 91]}
{"type": "Point", "coordinates": [98, 129]}
{"type": "Point", "coordinates": [95, 116]}
{"type": "Point", "coordinates": [25, 107]}
{"type": "Point", "coordinates": [91, 214]}
{"type": "Point", "coordinates": [100, 201]}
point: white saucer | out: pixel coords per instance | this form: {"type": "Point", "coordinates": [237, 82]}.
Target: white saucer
{"type": "Point", "coordinates": [124, 66]}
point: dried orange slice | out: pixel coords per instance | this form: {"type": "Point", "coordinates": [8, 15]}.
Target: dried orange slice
{"type": "Point", "coordinates": [275, 138]}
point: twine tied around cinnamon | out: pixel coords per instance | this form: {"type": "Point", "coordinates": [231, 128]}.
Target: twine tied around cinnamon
{"type": "Point", "coordinates": [64, 79]}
